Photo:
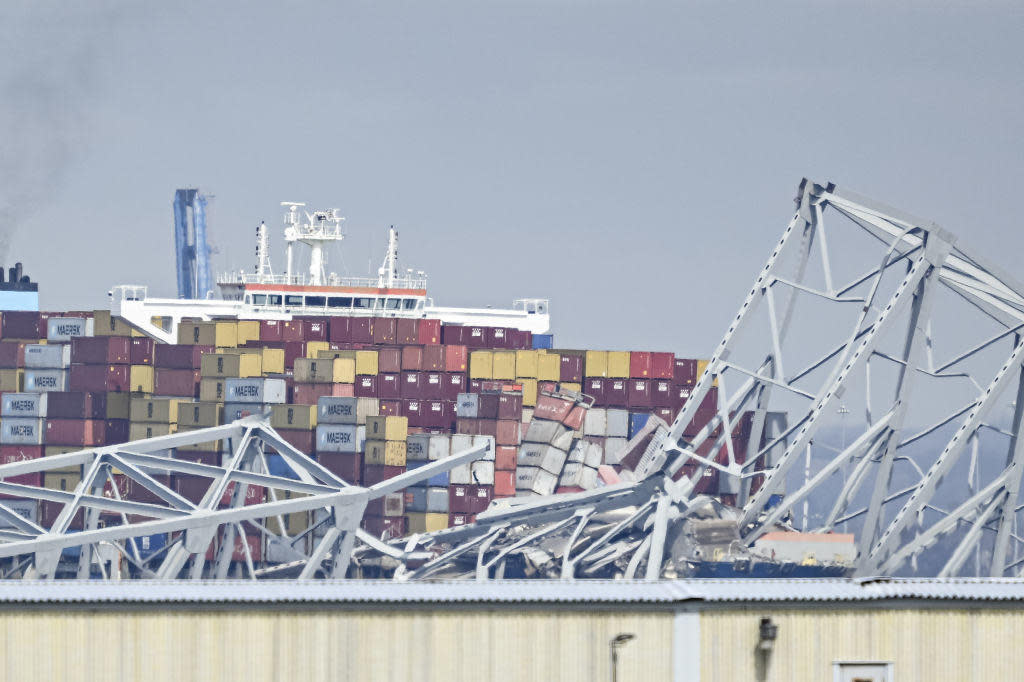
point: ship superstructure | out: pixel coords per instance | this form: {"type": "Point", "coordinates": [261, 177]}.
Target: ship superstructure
{"type": "Point", "coordinates": [262, 294]}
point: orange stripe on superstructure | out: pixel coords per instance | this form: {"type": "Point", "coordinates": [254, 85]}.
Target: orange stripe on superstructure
{"type": "Point", "coordinates": [335, 290]}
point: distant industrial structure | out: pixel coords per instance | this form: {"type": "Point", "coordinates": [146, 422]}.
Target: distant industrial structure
{"type": "Point", "coordinates": [193, 252]}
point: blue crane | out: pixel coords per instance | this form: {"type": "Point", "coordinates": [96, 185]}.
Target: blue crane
{"type": "Point", "coordinates": [194, 279]}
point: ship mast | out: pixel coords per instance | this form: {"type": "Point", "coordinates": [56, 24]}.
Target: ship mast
{"type": "Point", "coordinates": [388, 272]}
{"type": "Point", "coordinates": [322, 228]}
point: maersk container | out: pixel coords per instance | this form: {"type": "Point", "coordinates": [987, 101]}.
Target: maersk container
{"type": "Point", "coordinates": [22, 431]}
{"type": "Point", "coordinates": [418, 447]}
{"type": "Point", "coordinates": [545, 483]}
{"type": "Point", "coordinates": [65, 328]}
{"type": "Point", "coordinates": [467, 406]}
{"type": "Point", "coordinates": [255, 391]}
{"type": "Point", "coordinates": [47, 356]}
{"type": "Point", "coordinates": [525, 476]}
{"type": "Point", "coordinates": [440, 447]}
{"type": "Point", "coordinates": [24, 405]}
{"type": "Point", "coordinates": [27, 509]}
{"type": "Point", "coordinates": [45, 380]}
{"type": "Point", "coordinates": [234, 411]}
{"type": "Point", "coordinates": [543, 341]}
{"type": "Point", "coordinates": [331, 410]}
{"type": "Point", "coordinates": [337, 438]}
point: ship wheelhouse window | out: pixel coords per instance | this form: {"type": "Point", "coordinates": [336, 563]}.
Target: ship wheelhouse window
{"type": "Point", "coordinates": [259, 299]}
{"type": "Point", "coordinates": [393, 303]}
{"type": "Point", "coordinates": [409, 304]}
{"type": "Point", "coordinates": [363, 302]}
{"type": "Point", "coordinates": [275, 299]}
{"type": "Point", "coordinates": [380, 304]}
{"type": "Point", "coordinates": [316, 301]}
{"type": "Point", "coordinates": [293, 300]}
{"type": "Point", "coordinates": [339, 302]}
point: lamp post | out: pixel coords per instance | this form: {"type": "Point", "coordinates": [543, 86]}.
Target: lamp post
{"type": "Point", "coordinates": [613, 645]}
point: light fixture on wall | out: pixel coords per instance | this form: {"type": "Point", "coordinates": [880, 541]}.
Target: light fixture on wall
{"type": "Point", "coordinates": [767, 634]}
{"type": "Point", "coordinates": [613, 645]}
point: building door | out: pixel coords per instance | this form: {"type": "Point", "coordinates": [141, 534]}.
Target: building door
{"type": "Point", "coordinates": [863, 672]}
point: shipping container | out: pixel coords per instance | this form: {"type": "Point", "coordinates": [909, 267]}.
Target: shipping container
{"type": "Point", "coordinates": [389, 386]}
{"type": "Point", "coordinates": [101, 350]}
{"type": "Point", "coordinates": [22, 431]}
{"type": "Point", "coordinates": [142, 378]}
{"type": "Point", "coordinates": [47, 356]}
{"type": "Point", "coordinates": [100, 378]}
{"type": "Point", "coordinates": [340, 370]}
{"type": "Point", "coordinates": [220, 334]}
{"type": "Point", "coordinates": [45, 380]}
{"type": "Point", "coordinates": [407, 332]}
{"type": "Point", "coordinates": [346, 465]}
{"type": "Point", "coordinates": [261, 390]}
{"type": "Point", "coordinates": [336, 438]}
{"type": "Point", "coordinates": [293, 416]}
{"type": "Point", "coordinates": [224, 365]}
{"type": "Point", "coordinates": [142, 351]}
{"type": "Point", "coordinates": [201, 415]}
{"type": "Point", "coordinates": [173, 356]}
{"type": "Point", "coordinates": [155, 410]}
{"type": "Point", "coordinates": [182, 383]}
{"type": "Point", "coordinates": [428, 332]}
{"type": "Point", "coordinates": [32, 405]}
{"type": "Point", "coordinates": [387, 428]}
{"type": "Point", "coordinates": [63, 329]}
{"type": "Point", "coordinates": [20, 324]}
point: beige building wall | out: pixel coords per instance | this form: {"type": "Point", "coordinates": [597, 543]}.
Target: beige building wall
{"type": "Point", "coordinates": [932, 645]}
{"type": "Point", "coordinates": [252, 645]}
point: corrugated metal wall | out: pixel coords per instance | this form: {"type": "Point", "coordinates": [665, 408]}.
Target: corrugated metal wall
{"type": "Point", "coordinates": [254, 645]}
{"type": "Point", "coordinates": [933, 645]}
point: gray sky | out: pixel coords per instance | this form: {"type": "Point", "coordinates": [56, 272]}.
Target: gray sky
{"type": "Point", "coordinates": [634, 162]}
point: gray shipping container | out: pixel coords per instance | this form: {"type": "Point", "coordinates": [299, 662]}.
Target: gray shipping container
{"type": "Point", "coordinates": [233, 411]}
{"type": "Point", "coordinates": [27, 509]}
{"type": "Point", "coordinates": [460, 442]}
{"type": "Point", "coordinates": [483, 473]}
{"type": "Point", "coordinates": [467, 405]}
{"type": "Point", "coordinates": [416, 499]}
{"type": "Point", "coordinates": [588, 478]}
{"type": "Point", "coordinates": [66, 328]}
{"type": "Point", "coordinates": [461, 475]}
{"type": "Point", "coordinates": [24, 405]}
{"type": "Point", "coordinates": [554, 460]}
{"type": "Point", "coordinates": [337, 438]}
{"type": "Point", "coordinates": [489, 442]}
{"type": "Point", "coordinates": [595, 423]}
{"type": "Point", "coordinates": [525, 476]}
{"type": "Point", "coordinates": [22, 431]}
{"type": "Point", "coordinates": [614, 448]}
{"type": "Point", "coordinates": [545, 483]}
{"type": "Point", "coordinates": [572, 474]}
{"type": "Point", "coordinates": [531, 454]}
{"type": "Point", "coordinates": [618, 424]}
{"type": "Point", "coordinates": [267, 391]}
{"type": "Point", "coordinates": [332, 410]}
{"type": "Point", "coordinates": [437, 500]}
{"type": "Point", "coordinates": [44, 380]}
{"type": "Point", "coordinates": [440, 447]}
{"type": "Point", "coordinates": [417, 447]}
{"type": "Point", "coordinates": [47, 356]}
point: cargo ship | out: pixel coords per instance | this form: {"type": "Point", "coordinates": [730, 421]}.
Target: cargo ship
{"type": "Point", "coordinates": [263, 295]}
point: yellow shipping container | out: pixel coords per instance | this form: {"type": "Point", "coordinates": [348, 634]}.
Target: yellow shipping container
{"type": "Point", "coordinates": [105, 324]}
{"type": "Point", "coordinates": [618, 364]}
{"type": "Point", "coordinates": [12, 380]}
{"type": "Point", "coordinates": [317, 371]}
{"type": "Point", "coordinates": [596, 363]}
{"type": "Point", "coordinates": [387, 428]}
{"type": "Point", "coordinates": [332, 354]}
{"type": "Point", "coordinates": [549, 367]}
{"type": "Point", "coordinates": [211, 390]}
{"type": "Point", "coordinates": [504, 365]}
{"type": "Point", "coordinates": [526, 364]}
{"type": "Point", "coordinates": [118, 405]}
{"type": "Point", "coordinates": [293, 416]}
{"type": "Point", "coordinates": [529, 391]}
{"type": "Point", "coordinates": [221, 334]}
{"type": "Point", "coordinates": [385, 453]}
{"type": "Point", "coordinates": [207, 446]}
{"type": "Point", "coordinates": [142, 379]}
{"type": "Point", "coordinates": [481, 364]}
{"type": "Point", "coordinates": [138, 431]}
{"type": "Point", "coordinates": [200, 415]}
{"type": "Point", "coordinates": [313, 348]}
{"type": "Point", "coordinates": [426, 523]}
{"type": "Point", "coordinates": [248, 330]}
{"type": "Point", "coordinates": [224, 365]}
{"type": "Point", "coordinates": [366, 362]}
{"type": "Point", "coordinates": [273, 360]}
{"type": "Point", "coordinates": [61, 480]}
{"type": "Point", "coordinates": [294, 523]}
{"type": "Point", "coordinates": [570, 386]}
{"type": "Point", "coordinates": [701, 366]}
{"type": "Point", "coordinates": [156, 411]}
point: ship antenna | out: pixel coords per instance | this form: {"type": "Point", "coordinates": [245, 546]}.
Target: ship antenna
{"type": "Point", "coordinates": [389, 270]}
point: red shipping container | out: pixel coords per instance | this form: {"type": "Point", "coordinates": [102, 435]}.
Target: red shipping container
{"type": "Point", "coordinates": [413, 409]}
{"type": "Point", "coordinates": [467, 426]}
{"type": "Point", "coordinates": [481, 497]}
{"type": "Point", "coordinates": [20, 453]}
{"type": "Point", "coordinates": [389, 386]}
{"type": "Point", "coordinates": [505, 457]}
{"type": "Point", "coordinates": [271, 330]}
{"type": "Point", "coordinates": [680, 394]}
{"type": "Point", "coordinates": [390, 408]}
{"type": "Point", "coordinates": [174, 356]}
{"type": "Point", "coordinates": [293, 330]}
{"type": "Point", "coordinates": [132, 490]}
{"type": "Point", "coordinates": [473, 386]}
{"type": "Point", "coordinates": [385, 330]}
{"type": "Point", "coordinates": [101, 350]}
{"type": "Point", "coordinates": [21, 324]}
{"type": "Point", "coordinates": [411, 382]}
{"type": "Point", "coordinates": [522, 340]}
{"type": "Point", "coordinates": [181, 383]}
{"type": "Point", "coordinates": [433, 358]}
{"type": "Point", "coordinates": [507, 432]}
{"type": "Point", "coordinates": [374, 474]}
{"type": "Point", "coordinates": [476, 337]}
{"type": "Point", "coordinates": [663, 365]}
{"type": "Point", "coordinates": [439, 414]}
{"type": "Point", "coordinates": [498, 337]}
{"type": "Point", "coordinates": [639, 393]}
{"type": "Point", "coordinates": [685, 372]}
{"type": "Point", "coordinates": [366, 387]}
{"type": "Point", "coordinates": [460, 499]}
{"type": "Point", "coordinates": [504, 483]}
{"type": "Point", "coordinates": [432, 386]}
{"type": "Point", "coordinates": [662, 393]}
{"type": "Point", "coordinates": [49, 511]}
{"type": "Point", "coordinates": [639, 365]}
{"type": "Point", "coordinates": [100, 378]}
{"type": "Point", "coordinates": [142, 351]}
{"type": "Point", "coordinates": [455, 520]}
{"type": "Point", "coordinates": [487, 427]}
{"type": "Point", "coordinates": [574, 420]}
{"type": "Point", "coordinates": [428, 332]}
{"type": "Point", "coordinates": [300, 439]}
{"type": "Point", "coordinates": [85, 432]}
{"type": "Point", "coordinates": [115, 431]}
{"type": "Point", "coordinates": [455, 358]}
{"type": "Point", "coordinates": [315, 328]}
{"type": "Point", "coordinates": [389, 360]}
{"type": "Point", "coordinates": [454, 334]}
{"type": "Point", "coordinates": [552, 408]}
{"type": "Point", "coordinates": [616, 392]}
{"type": "Point", "coordinates": [338, 329]}
{"type": "Point", "coordinates": [12, 354]}
{"type": "Point", "coordinates": [360, 330]}
{"type": "Point", "coordinates": [454, 384]}
{"type": "Point", "coordinates": [407, 331]}
{"type": "Point", "coordinates": [68, 405]}
{"type": "Point", "coordinates": [594, 387]}
{"type": "Point", "coordinates": [346, 466]}
{"type": "Point", "coordinates": [710, 401]}
{"type": "Point", "coordinates": [571, 369]}
{"type": "Point", "coordinates": [510, 406]}
{"type": "Point", "coordinates": [665, 413]}
{"type": "Point", "coordinates": [412, 358]}
{"type": "Point", "coordinates": [309, 394]}
{"type": "Point", "coordinates": [385, 527]}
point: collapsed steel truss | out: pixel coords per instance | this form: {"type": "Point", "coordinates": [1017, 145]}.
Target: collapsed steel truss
{"type": "Point", "coordinates": [831, 326]}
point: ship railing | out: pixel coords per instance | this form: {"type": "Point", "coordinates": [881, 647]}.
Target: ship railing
{"type": "Point", "coordinates": [332, 280]}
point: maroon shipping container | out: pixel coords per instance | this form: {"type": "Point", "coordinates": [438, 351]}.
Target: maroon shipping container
{"type": "Point", "coordinates": [662, 365]}
{"type": "Point", "coordinates": [522, 340]}
{"type": "Point", "coordinates": [433, 358]}
{"type": "Point", "coordinates": [710, 401]}
{"type": "Point", "coordinates": [616, 392]}
{"type": "Point", "coordinates": [413, 410]}
{"type": "Point", "coordinates": [457, 519]}
{"type": "Point", "coordinates": [100, 378]}
{"type": "Point", "coordinates": [460, 501]}
{"type": "Point", "coordinates": [179, 383]}
{"type": "Point", "coordinates": [505, 457]}
{"type": "Point", "coordinates": [385, 527]}
{"type": "Point", "coordinates": [389, 360]}
{"type": "Point", "coordinates": [12, 354]}
{"type": "Point", "coordinates": [174, 356]}
{"type": "Point", "coordinates": [21, 453]}
{"type": "Point", "coordinates": [432, 386]}
{"type": "Point", "coordinates": [667, 414]}
{"type": "Point", "coordinates": [141, 352]}
{"type": "Point", "coordinates": [454, 334]}
{"type": "Point", "coordinates": [639, 365]}
{"type": "Point", "coordinates": [366, 386]}
{"type": "Point", "coordinates": [510, 406]}
{"type": "Point", "coordinates": [76, 405]}
{"type": "Point", "coordinates": [338, 329]}
{"type": "Point", "coordinates": [116, 431]}
{"type": "Point", "coordinates": [594, 387]}
{"type": "Point", "coordinates": [346, 466]}
{"type": "Point", "coordinates": [389, 386]}
{"type": "Point", "coordinates": [480, 496]}
{"type": "Point", "coordinates": [374, 474]}
{"type": "Point", "coordinates": [456, 358]}
{"type": "Point", "coordinates": [129, 489]}
{"type": "Point", "coordinates": [361, 330]}
{"type": "Point", "coordinates": [662, 393]}
{"type": "Point", "coordinates": [440, 414]}
{"type": "Point", "coordinates": [507, 432]}
{"type": "Point", "coordinates": [411, 385]}
{"type": "Point", "coordinates": [476, 337]}
{"type": "Point", "coordinates": [685, 372]}
{"type": "Point", "coordinates": [21, 324]}
{"type": "Point", "coordinates": [487, 427]}
{"type": "Point", "coordinates": [200, 457]}
{"type": "Point", "coordinates": [390, 408]}
{"type": "Point", "coordinates": [546, 387]}
{"type": "Point", "coordinates": [412, 358]}
{"type": "Point", "coordinates": [49, 511]}
{"type": "Point", "coordinates": [271, 330]}
{"type": "Point", "coordinates": [407, 332]}
{"type": "Point", "coordinates": [498, 337]}
{"type": "Point", "coordinates": [293, 330]}
{"type": "Point", "coordinates": [680, 394]}
{"type": "Point", "coordinates": [571, 368]}
{"type": "Point", "coordinates": [302, 440]}
{"type": "Point", "coordinates": [428, 332]}
{"type": "Point", "coordinates": [101, 350]}
{"type": "Point", "coordinates": [316, 328]}
{"type": "Point", "coordinates": [385, 330]}
{"type": "Point", "coordinates": [454, 384]}
{"type": "Point", "coordinates": [466, 426]}
{"type": "Point", "coordinates": [639, 393]}
{"type": "Point", "coordinates": [85, 432]}
{"type": "Point", "coordinates": [488, 406]}
{"type": "Point", "coordinates": [473, 385]}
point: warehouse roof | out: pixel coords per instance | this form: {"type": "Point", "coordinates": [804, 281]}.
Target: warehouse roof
{"type": "Point", "coordinates": [512, 591]}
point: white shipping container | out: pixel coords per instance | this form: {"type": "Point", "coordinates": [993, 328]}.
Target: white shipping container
{"type": "Point", "coordinates": [461, 475]}
{"type": "Point", "coordinates": [337, 438]}
{"type": "Point", "coordinates": [437, 500]}
{"type": "Point", "coordinates": [46, 380]}
{"type": "Point", "coordinates": [588, 478]}
{"type": "Point", "coordinates": [394, 504]}
{"type": "Point", "coordinates": [483, 473]}
{"type": "Point", "coordinates": [440, 447]}
{"type": "Point", "coordinates": [24, 405]}
{"type": "Point", "coordinates": [282, 551]}
{"type": "Point", "coordinates": [460, 442]}
{"type": "Point", "coordinates": [614, 449]}
{"type": "Point", "coordinates": [66, 328]}
{"type": "Point", "coordinates": [22, 431]}
{"type": "Point", "coordinates": [595, 423]}
{"type": "Point", "coordinates": [47, 356]}
{"type": "Point", "coordinates": [417, 447]}
{"type": "Point", "coordinates": [525, 476]}
{"type": "Point", "coordinates": [554, 461]}
{"type": "Point", "coordinates": [467, 405]}
{"type": "Point", "coordinates": [26, 509]}
{"type": "Point", "coordinates": [545, 483]}
{"type": "Point", "coordinates": [578, 452]}
{"type": "Point", "coordinates": [233, 411]}
{"type": "Point", "coordinates": [527, 415]}
{"type": "Point", "coordinates": [487, 441]}
{"type": "Point", "coordinates": [262, 390]}
{"type": "Point", "coordinates": [563, 438]}
{"type": "Point", "coordinates": [572, 474]}
{"type": "Point", "coordinates": [531, 454]}
{"type": "Point", "coordinates": [618, 423]}
{"type": "Point", "coordinates": [332, 410]}
{"type": "Point", "coordinates": [366, 407]}
{"type": "Point", "coordinates": [542, 431]}
{"type": "Point", "coordinates": [595, 455]}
